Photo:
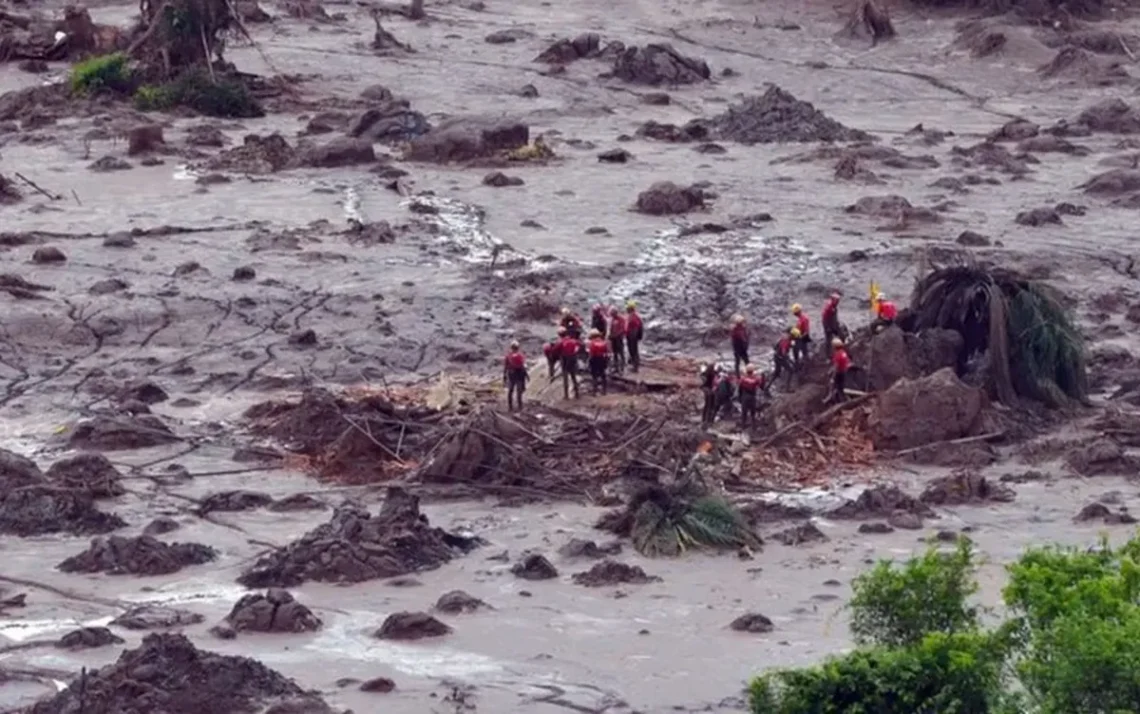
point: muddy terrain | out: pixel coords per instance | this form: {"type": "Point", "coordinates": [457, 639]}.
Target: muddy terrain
{"type": "Point", "coordinates": [249, 368]}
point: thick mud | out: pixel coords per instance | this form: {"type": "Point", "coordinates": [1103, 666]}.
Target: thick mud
{"type": "Point", "coordinates": [218, 335]}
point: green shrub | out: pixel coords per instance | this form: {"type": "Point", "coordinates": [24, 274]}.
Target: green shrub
{"type": "Point", "coordinates": [110, 73]}
{"type": "Point", "coordinates": [196, 90]}
{"type": "Point", "coordinates": [898, 606]}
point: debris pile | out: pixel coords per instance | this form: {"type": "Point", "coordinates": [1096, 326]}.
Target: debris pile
{"type": "Point", "coordinates": [355, 546]}
{"type": "Point", "coordinates": [611, 572]}
{"type": "Point", "coordinates": [659, 64]}
{"type": "Point", "coordinates": [36, 510]}
{"type": "Point", "coordinates": [167, 673]}
{"type": "Point", "coordinates": [32, 37]}
{"type": "Point", "coordinates": [274, 611]}
{"type": "Point", "coordinates": [141, 555]}
{"type": "Point", "coordinates": [93, 474]}
{"type": "Point", "coordinates": [807, 453]}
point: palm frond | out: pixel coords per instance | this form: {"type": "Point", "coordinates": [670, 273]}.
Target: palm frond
{"type": "Point", "coordinates": [703, 522]}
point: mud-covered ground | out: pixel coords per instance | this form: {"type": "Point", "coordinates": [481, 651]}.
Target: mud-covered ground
{"type": "Point", "coordinates": [226, 281]}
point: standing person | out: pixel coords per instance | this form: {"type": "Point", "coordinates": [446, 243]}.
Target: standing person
{"type": "Point", "coordinates": [598, 317]}
{"type": "Point", "coordinates": [515, 376]}
{"type": "Point", "coordinates": [571, 323]}
{"type": "Point", "coordinates": [885, 314]}
{"type": "Point", "coordinates": [568, 349]}
{"type": "Point", "coordinates": [633, 334]}
{"type": "Point", "coordinates": [739, 339]}
{"type": "Point", "coordinates": [749, 389]}
{"type": "Point", "coordinates": [803, 324]}
{"type": "Point", "coordinates": [551, 351]}
{"type": "Point", "coordinates": [598, 359]}
{"type": "Point", "coordinates": [708, 390]}
{"type": "Point", "coordinates": [831, 325]}
{"type": "Point", "coordinates": [725, 393]}
{"type": "Point", "coordinates": [617, 340]}
{"type": "Point", "coordinates": [782, 355]}
{"type": "Point", "coordinates": [840, 365]}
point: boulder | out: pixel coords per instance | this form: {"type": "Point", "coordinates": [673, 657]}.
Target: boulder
{"type": "Point", "coordinates": [339, 152]}
{"type": "Point", "coordinates": [391, 120]}
{"type": "Point", "coordinates": [667, 198]}
{"type": "Point", "coordinates": [464, 139]}
{"type": "Point", "coordinates": [915, 412]}
{"type": "Point", "coordinates": [894, 355]}
{"type": "Point", "coordinates": [411, 626]}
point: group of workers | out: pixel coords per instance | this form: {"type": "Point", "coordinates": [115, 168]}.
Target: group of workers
{"type": "Point", "coordinates": [613, 334]}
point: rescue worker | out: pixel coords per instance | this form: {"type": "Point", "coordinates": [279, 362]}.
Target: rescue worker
{"type": "Point", "coordinates": [739, 338]}
{"type": "Point", "coordinates": [598, 355]}
{"type": "Point", "coordinates": [568, 349]}
{"type": "Point", "coordinates": [515, 376]}
{"type": "Point", "coordinates": [725, 393]}
{"type": "Point", "coordinates": [749, 389]}
{"type": "Point", "coordinates": [617, 340]}
{"type": "Point", "coordinates": [708, 389]}
{"type": "Point", "coordinates": [633, 334]}
{"type": "Point", "coordinates": [598, 317]}
{"type": "Point", "coordinates": [782, 356]}
{"type": "Point", "coordinates": [803, 324]}
{"type": "Point", "coordinates": [840, 365]}
{"type": "Point", "coordinates": [571, 323]}
{"type": "Point", "coordinates": [885, 314]}
{"type": "Point", "coordinates": [551, 351]}
{"type": "Point", "coordinates": [831, 326]}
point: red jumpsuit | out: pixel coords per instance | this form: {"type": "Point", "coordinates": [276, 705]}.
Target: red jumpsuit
{"type": "Point", "coordinates": [597, 352]}
{"type": "Point", "coordinates": [515, 376]}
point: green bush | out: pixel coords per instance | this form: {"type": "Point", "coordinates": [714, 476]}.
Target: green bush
{"type": "Point", "coordinates": [226, 98]}
{"type": "Point", "coordinates": [110, 73]}
{"type": "Point", "coordinates": [899, 606]}
{"type": "Point", "coordinates": [1072, 645]}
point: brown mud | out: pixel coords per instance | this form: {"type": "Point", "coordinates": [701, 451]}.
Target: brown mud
{"type": "Point", "coordinates": [278, 338]}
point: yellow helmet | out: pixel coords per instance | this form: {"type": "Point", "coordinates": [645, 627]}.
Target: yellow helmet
{"type": "Point", "coordinates": [797, 309]}
{"type": "Point", "coordinates": [794, 332]}
{"type": "Point", "coordinates": [630, 304]}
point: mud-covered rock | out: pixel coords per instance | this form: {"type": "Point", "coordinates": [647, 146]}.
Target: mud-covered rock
{"type": "Point", "coordinates": [564, 51]}
{"type": "Point", "coordinates": [48, 254]}
{"type": "Point", "coordinates": [965, 487]}
{"type": "Point", "coordinates": [344, 151]}
{"type": "Point", "coordinates": [144, 139]}
{"type": "Point", "coordinates": [141, 555]}
{"type": "Point", "coordinates": [659, 64]}
{"type": "Point", "coordinates": [498, 179]}
{"type": "Point", "coordinates": [411, 626]}
{"type": "Point", "coordinates": [233, 501]}
{"type": "Point", "coordinates": [142, 390]}
{"type": "Point", "coordinates": [801, 534]}
{"type": "Point", "coordinates": [611, 572]}
{"type": "Point", "coordinates": [17, 471]}
{"type": "Point", "coordinates": [465, 139]}
{"type": "Point", "coordinates": [972, 239]}
{"type": "Point", "coordinates": [1112, 183]}
{"type": "Point", "coordinates": [86, 638]}
{"type": "Point", "coordinates": [752, 622]}
{"type": "Point", "coordinates": [160, 526]}
{"type": "Point", "coordinates": [1015, 130]}
{"type": "Point", "coordinates": [534, 566]}
{"type": "Point", "coordinates": [536, 307]}
{"type": "Point", "coordinates": [1113, 116]}
{"type": "Point", "coordinates": [256, 155]}
{"type": "Point", "coordinates": [38, 510]}
{"type": "Point", "coordinates": [876, 528]}
{"type": "Point", "coordinates": [274, 611]}
{"type": "Point", "coordinates": [298, 502]}
{"type": "Point", "coordinates": [378, 685]}
{"type": "Point", "coordinates": [1101, 456]}
{"type": "Point", "coordinates": [205, 135]}
{"type": "Point", "coordinates": [1100, 512]}
{"type": "Point", "coordinates": [905, 355]}
{"type": "Point", "coordinates": [666, 198]}
{"type": "Point", "coordinates": [1040, 216]}
{"type": "Point", "coordinates": [777, 117]}
{"type": "Point", "coordinates": [93, 474]}
{"type": "Point", "coordinates": [156, 617]}
{"type": "Point", "coordinates": [457, 602]}
{"type": "Point", "coordinates": [582, 548]}
{"type": "Point", "coordinates": [390, 120]}
{"type": "Point", "coordinates": [168, 674]}
{"type": "Point", "coordinates": [355, 546]}
{"type": "Point", "coordinates": [118, 433]}
{"type": "Point", "coordinates": [915, 412]}
{"type": "Point", "coordinates": [880, 502]}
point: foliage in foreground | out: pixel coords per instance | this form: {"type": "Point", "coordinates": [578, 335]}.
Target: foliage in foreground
{"type": "Point", "coordinates": [1035, 350]}
{"type": "Point", "coordinates": [225, 98]}
{"type": "Point", "coordinates": [1070, 646]}
{"type": "Point", "coordinates": [104, 73]}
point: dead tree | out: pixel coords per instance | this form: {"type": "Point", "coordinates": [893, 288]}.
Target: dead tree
{"type": "Point", "coordinates": [870, 20]}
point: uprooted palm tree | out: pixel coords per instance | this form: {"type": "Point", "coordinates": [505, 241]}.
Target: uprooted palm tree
{"type": "Point", "coordinates": [667, 521]}
{"type": "Point", "coordinates": [177, 35]}
{"type": "Point", "coordinates": [1034, 349]}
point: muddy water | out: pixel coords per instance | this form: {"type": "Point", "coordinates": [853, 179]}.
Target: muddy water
{"type": "Point", "coordinates": [387, 311]}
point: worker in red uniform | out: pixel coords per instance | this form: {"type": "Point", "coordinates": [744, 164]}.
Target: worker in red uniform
{"type": "Point", "coordinates": [749, 389]}
{"type": "Point", "coordinates": [831, 326]}
{"type": "Point", "coordinates": [739, 339]}
{"type": "Point", "coordinates": [571, 323]}
{"type": "Point", "coordinates": [803, 343]}
{"type": "Point", "coordinates": [782, 355]}
{"type": "Point", "coordinates": [708, 375]}
{"type": "Point", "coordinates": [885, 314]}
{"type": "Point", "coordinates": [597, 355]}
{"type": "Point", "coordinates": [515, 376]}
{"type": "Point", "coordinates": [617, 340]}
{"type": "Point", "coordinates": [551, 351]}
{"type": "Point", "coordinates": [840, 365]}
{"type": "Point", "coordinates": [633, 334]}
{"type": "Point", "coordinates": [725, 393]}
{"type": "Point", "coordinates": [598, 317]}
{"type": "Point", "coordinates": [568, 348]}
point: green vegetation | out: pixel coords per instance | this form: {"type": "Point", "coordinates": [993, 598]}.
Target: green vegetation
{"type": "Point", "coordinates": [1070, 646]}
{"type": "Point", "coordinates": [105, 73]}
{"type": "Point", "coordinates": [225, 98]}
{"type": "Point", "coordinates": [1034, 348]}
